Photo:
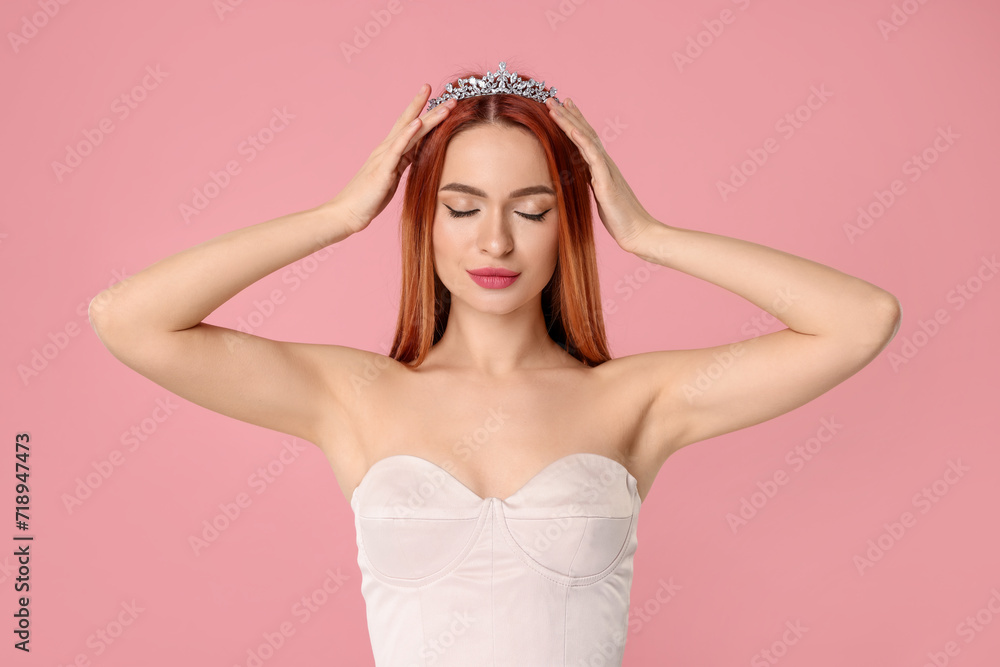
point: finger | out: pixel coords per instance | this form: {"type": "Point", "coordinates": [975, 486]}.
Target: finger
{"type": "Point", "coordinates": [413, 108]}
{"type": "Point", "coordinates": [576, 117]}
{"type": "Point", "coordinates": [603, 180]}
{"type": "Point", "coordinates": [405, 125]}
{"type": "Point", "coordinates": [593, 152]}
{"type": "Point", "coordinates": [427, 122]}
{"type": "Point", "coordinates": [589, 148]}
{"type": "Point", "coordinates": [432, 118]}
{"type": "Point", "coordinates": [574, 111]}
{"type": "Point", "coordinates": [564, 119]}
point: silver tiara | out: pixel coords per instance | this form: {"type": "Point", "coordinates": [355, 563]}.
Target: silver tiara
{"type": "Point", "coordinates": [499, 83]}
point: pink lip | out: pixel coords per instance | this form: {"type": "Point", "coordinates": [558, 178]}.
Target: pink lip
{"type": "Point", "coordinates": [493, 278]}
{"type": "Point", "coordinates": [493, 271]}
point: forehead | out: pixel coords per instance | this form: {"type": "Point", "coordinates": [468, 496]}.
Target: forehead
{"type": "Point", "coordinates": [495, 159]}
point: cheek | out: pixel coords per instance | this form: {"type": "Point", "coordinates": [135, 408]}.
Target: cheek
{"type": "Point", "coordinates": [552, 244]}
{"type": "Point", "coordinates": [444, 244]}
{"type": "Point", "coordinates": [439, 240]}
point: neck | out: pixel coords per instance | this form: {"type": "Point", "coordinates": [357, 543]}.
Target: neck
{"type": "Point", "coordinates": [497, 344]}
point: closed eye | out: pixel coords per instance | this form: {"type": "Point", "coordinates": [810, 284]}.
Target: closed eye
{"type": "Point", "coordinates": [537, 217]}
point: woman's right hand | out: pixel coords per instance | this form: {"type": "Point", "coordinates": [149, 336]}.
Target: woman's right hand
{"type": "Point", "coordinates": [373, 187]}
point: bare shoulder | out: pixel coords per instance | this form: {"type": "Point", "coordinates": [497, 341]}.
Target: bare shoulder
{"type": "Point", "coordinates": [691, 395]}
{"type": "Point", "coordinates": [356, 381]}
{"type": "Point", "coordinates": [642, 380]}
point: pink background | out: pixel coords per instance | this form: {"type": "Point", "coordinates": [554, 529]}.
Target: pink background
{"type": "Point", "coordinates": [680, 130]}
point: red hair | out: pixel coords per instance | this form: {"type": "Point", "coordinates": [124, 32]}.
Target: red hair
{"type": "Point", "coordinates": [571, 301]}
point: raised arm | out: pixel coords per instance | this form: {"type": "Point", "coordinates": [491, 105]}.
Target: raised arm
{"type": "Point", "coordinates": [837, 324]}
{"type": "Point", "coordinates": [152, 322]}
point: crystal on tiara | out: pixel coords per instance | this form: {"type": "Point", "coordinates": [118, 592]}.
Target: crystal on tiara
{"type": "Point", "coordinates": [497, 83]}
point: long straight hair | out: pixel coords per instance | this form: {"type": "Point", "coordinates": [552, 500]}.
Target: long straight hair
{"type": "Point", "coordinates": [571, 301]}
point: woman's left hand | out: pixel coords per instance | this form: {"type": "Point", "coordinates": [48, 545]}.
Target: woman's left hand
{"type": "Point", "coordinates": [622, 214]}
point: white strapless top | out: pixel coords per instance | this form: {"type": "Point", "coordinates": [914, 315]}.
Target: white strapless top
{"type": "Point", "coordinates": [539, 579]}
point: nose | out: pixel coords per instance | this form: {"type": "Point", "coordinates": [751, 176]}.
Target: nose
{"type": "Point", "coordinates": [494, 234]}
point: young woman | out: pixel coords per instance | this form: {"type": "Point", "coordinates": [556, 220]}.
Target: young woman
{"type": "Point", "coordinates": [497, 458]}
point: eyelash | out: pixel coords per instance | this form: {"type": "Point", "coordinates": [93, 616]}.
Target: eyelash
{"type": "Point", "coordinates": [537, 217]}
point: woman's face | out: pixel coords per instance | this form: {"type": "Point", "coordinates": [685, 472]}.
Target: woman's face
{"type": "Point", "coordinates": [497, 178]}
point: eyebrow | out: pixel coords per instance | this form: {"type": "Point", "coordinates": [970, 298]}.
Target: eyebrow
{"type": "Point", "coordinates": [476, 192]}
